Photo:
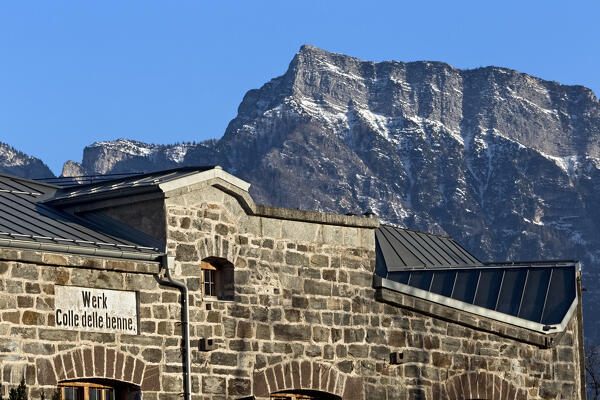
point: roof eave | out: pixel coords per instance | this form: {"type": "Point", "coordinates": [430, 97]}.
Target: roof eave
{"type": "Point", "coordinates": [100, 196]}
{"type": "Point", "coordinates": [379, 282]}
{"type": "Point", "coordinates": [80, 250]}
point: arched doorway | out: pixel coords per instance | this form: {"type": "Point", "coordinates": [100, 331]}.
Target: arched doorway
{"type": "Point", "coordinates": [98, 389]}
{"type": "Point", "coordinates": [303, 395]}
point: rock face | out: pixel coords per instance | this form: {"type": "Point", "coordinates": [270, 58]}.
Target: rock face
{"type": "Point", "coordinates": [15, 162]}
{"type": "Point", "coordinates": [506, 163]}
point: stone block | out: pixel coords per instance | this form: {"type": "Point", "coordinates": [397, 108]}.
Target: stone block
{"type": "Point", "coordinates": [299, 302]}
{"type": "Point", "coordinates": [358, 350]}
{"type": "Point", "coordinates": [24, 301]}
{"type": "Point", "coordinates": [354, 389]}
{"type": "Point", "coordinates": [295, 259]}
{"type": "Point", "coordinates": [14, 287]}
{"type": "Point", "coordinates": [8, 345]}
{"type": "Point", "coordinates": [172, 383]}
{"type": "Point", "coordinates": [7, 302]}
{"type": "Point", "coordinates": [103, 279]}
{"type": "Point", "coordinates": [32, 288]}
{"type": "Point", "coordinates": [362, 279]}
{"type": "Point", "coordinates": [4, 267]}
{"type": "Point", "coordinates": [270, 228]}
{"type": "Point", "coordinates": [25, 271]}
{"type": "Point", "coordinates": [332, 234]}
{"type": "Point", "coordinates": [291, 332]}
{"type": "Point", "coordinates": [320, 334]}
{"type": "Point", "coordinates": [244, 329]}
{"type": "Point", "coordinates": [263, 332]}
{"type": "Point", "coordinates": [220, 358]}
{"type": "Point", "coordinates": [186, 252]}
{"type": "Point", "coordinates": [98, 337]}
{"type": "Point", "coordinates": [239, 387]}
{"type": "Point", "coordinates": [32, 318]}
{"type": "Point", "coordinates": [239, 311]}
{"type": "Point", "coordinates": [441, 360]}
{"type": "Point", "coordinates": [352, 335]}
{"type": "Point", "coordinates": [320, 288]}
{"type": "Point", "coordinates": [152, 355]}
{"type": "Point", "coordinates": [57, 335]}
{"type": "Point", "coordinates": [299, 231]}
{"type": "Point", "coordinates": [38, 348]}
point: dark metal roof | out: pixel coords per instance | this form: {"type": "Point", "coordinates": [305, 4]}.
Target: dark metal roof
{"type": "Point", "coordinates": [533, 294]}
{"type": "Point", "coordinates": [399, 249]}
{"type": "Point", "coordinates": [68, 181]}
{"type": "Point", "coordinates": [26, 222]}
{"type": "Point", "coordinates": [136, 183]}
{"type": "Point", "coordinates": [536, 293]}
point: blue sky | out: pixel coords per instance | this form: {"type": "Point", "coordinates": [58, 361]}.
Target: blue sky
{"type": "Point", "coordinates": [72, 73]}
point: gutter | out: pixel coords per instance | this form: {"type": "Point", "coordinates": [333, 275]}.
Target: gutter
{"type": "Point", "coordinates": [82, 250]}
{"type": "Point", "coordinates": [166, 263]}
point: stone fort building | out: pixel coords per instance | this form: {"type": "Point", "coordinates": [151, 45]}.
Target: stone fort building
{"type": "Point", "coordinates": [176, 285]}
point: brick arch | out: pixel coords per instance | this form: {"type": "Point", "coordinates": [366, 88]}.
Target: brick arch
{"type": "Point", "coordinates": [478, 385]}
{"type": "Point", "coordinates": [307, 375]}
{"type": "Point", "coordinates": [99, 362]}
{"type": "Point", "coordinates": [218, 246]}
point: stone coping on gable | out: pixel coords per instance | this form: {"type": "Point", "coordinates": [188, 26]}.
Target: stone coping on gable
{"type": "Point", "coordinates": [467, 319]}
{"type": "Point", "coordinates": [78, 261]}
{"type": "Point", "coordinates": [318, 217]}
{"type": "Point", "coordinates": [251, 208]}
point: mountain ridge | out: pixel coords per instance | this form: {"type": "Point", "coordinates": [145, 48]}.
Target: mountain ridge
{"type": "Point", "coordinates": [506, 163]}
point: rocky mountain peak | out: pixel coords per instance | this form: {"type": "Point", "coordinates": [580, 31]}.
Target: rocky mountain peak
{"type": "Point", "coordinates": [13, 161]}
{"type": "Point", "coordinates": [506, 163]}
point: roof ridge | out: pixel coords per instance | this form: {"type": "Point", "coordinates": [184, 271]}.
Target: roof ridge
{"type": "Point", "coordinates": [28, 180]}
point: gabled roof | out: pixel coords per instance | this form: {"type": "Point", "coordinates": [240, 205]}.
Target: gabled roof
{"type": "Point", "coordinates": [69, 181]}
{"type": "Point", "coordinates": [160, 181]}
{"type": "Point", "coordinates": [26, 222]}
{"type": "Point", "coordinates": [536, 295]}
{"type": "Point", "coordinates": [100, 187]}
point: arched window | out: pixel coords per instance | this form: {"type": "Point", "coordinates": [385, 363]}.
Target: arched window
{"type": "Point", "coordinates": [217, 279]}
{"type": "Point", "coordinates": [97, 389]}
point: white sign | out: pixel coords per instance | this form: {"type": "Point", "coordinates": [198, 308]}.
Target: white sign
{"type": "Point", "coordinates": [96, 310]}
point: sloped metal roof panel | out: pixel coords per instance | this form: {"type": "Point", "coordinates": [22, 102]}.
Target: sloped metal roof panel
{"type": "Point", "coordinates": [26, 222]}
{"type": "Point", "coordinates": [542, 294]}
{"type": "Point", "coordinates": [535, 295]}
{"type": "Point", "coordinates": [399, 249]}
{"type": "Point", "coordinates": [99, 185]}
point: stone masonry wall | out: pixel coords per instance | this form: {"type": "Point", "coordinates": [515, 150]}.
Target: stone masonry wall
{"type": "Point", "coordinates": [304, 316]}
{"type": "Point", "coordinates": [304, 302]}
{"type": "Point", "coordinates": [32, 346]}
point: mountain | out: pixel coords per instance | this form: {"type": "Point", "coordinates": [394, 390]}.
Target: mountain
{"type": "Point", "coordinates": [14, 162]}
{"type": "Point", "coordinates": [506, 163]}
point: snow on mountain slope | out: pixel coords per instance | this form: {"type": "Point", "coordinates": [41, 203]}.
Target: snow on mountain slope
{"type": "Point", "coordinates": [15, 162]}
{"type": "Point", "coordinates": [506, 163]}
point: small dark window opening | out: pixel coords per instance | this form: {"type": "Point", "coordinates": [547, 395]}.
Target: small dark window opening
{"type": "Point", "coordinates": [217, 279]}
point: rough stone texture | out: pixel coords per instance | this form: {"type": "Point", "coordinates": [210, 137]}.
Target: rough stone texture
{"type": "Point", "coordinates": [304, 315]}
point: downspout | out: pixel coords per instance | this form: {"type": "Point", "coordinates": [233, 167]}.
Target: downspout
{"type": "Point", "coordinates": [166, 263]}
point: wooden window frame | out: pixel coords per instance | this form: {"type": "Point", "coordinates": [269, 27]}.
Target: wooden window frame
{"type": "Point", "coordinates": [206, 266]}
{"type": "Point", "coordinates": [86, 389]}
